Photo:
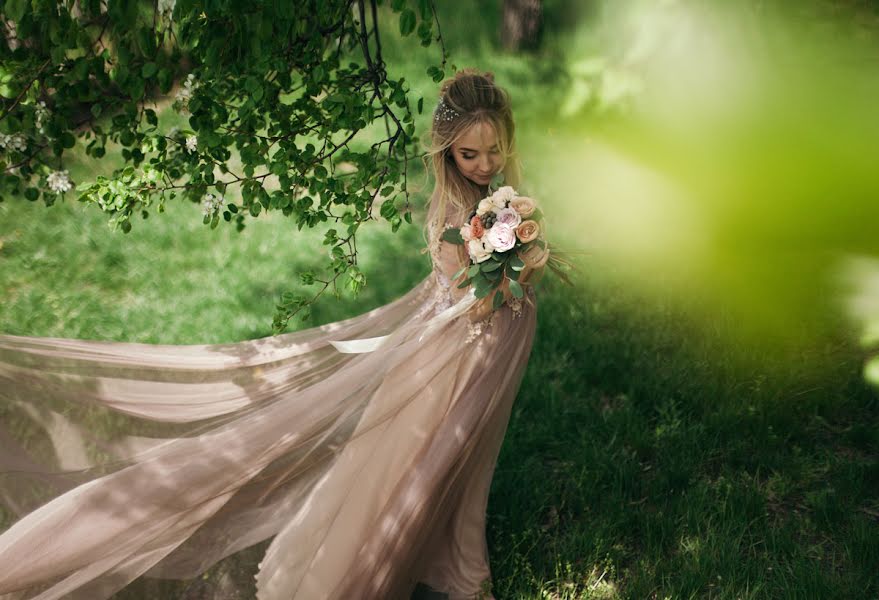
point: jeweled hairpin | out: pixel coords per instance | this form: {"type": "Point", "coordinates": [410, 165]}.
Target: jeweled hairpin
{"type": "Point", "coordinates": [444, 112]}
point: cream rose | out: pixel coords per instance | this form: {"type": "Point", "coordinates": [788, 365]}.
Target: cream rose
{"type": "Point", "coordinates": [508, 216]}
{"type": "Point", "coordinates": [527, 231]}
{"type": "Point", "coordinates": [502, 237]}
{"type": "Point", "coordinates": [466, 232]}
{"type": "Point", "coordinates": [480, 250]}
{"type": "Point", "coordinates": [523, 205]}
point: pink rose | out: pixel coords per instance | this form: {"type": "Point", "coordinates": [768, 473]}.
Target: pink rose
{"type": "Point", "coordinates": [502, 237]}
{"type": "Point", "coordinates": [467, 233]}
{"type": "Point", "coordinates": [523, 205]}
{"type": "Point", "coordinates": [508, 216]}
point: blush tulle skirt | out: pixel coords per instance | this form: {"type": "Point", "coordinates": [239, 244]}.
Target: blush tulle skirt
{"type": "Point", "coordinates": [363, 449]}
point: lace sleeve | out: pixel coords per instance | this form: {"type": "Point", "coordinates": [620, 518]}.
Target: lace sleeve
{"type": "Point", "coordinates": [447, 258]}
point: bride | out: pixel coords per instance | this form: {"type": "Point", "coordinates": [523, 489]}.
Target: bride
{"type": "Point", "coordinates": [363, 449]}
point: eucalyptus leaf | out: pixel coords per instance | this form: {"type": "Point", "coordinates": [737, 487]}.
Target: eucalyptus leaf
{"type": "Point", "coordinates": [516, 289]}
{"type": "Point", "coordinates": [497, 300]}
{"type": "Point", "coordinates": [453, 235]}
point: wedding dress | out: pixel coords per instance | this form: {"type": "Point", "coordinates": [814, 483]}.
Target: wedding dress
{"type": "Point", "coordinates": [363, 448]}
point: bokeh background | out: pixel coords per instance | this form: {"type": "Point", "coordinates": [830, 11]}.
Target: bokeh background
{"type": "Point", "coordinates": [698, 418]}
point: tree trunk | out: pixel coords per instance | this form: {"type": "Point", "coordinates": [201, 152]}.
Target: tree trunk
{"type": "Point", "coordinates": [521, 27]}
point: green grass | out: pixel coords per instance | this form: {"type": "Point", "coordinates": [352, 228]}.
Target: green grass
{"type": "Point", "coordinates": [651, 453]}
{"type": "Point", "coordinates": [646, 448]}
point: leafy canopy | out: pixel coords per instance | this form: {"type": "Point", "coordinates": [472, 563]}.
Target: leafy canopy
{"type": "Point", "coordinates": [276, 94]}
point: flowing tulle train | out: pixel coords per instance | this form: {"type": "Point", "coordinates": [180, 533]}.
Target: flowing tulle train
{"type": "Point", "coordinates": [368, 470]}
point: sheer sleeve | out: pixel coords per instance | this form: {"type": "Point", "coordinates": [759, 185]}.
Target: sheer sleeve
{"type": "Point", "coordinates": [447, 258]}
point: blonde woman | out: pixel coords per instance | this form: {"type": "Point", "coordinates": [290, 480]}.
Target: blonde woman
{"type": "Point", "coordinates": [360, 452]}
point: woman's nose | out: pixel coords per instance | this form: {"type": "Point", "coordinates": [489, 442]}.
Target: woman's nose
{"type": "Point", "coordinates": [485, 164]}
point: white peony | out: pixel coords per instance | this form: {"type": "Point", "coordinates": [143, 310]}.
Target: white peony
{"type": "Point", "coordinates": [480, 250]}
{"type": "Point", "coordinates": [502, 237]}
{"type": "Point", "coordinates": [485, 205]}
{"type": "Point", "coordinates": [502, 196]}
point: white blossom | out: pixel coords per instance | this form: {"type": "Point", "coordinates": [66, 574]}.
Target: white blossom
{"type": "Point", "coordinates": [59, 182]}
{"type": "Point", "coordinates": [192, 143]}
{"type": "Point", "coordinates": [166, 6]}
{"type": "Point", "coordinates": [41, 113]}
{"type": "Point", "coordinates": [184, 94]}
{"type": "Point", "coordinates": [211, 204]}
{"type": "Point", "coordinates": [16, 141]}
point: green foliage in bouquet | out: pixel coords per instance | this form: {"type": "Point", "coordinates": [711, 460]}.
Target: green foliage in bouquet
{"type": "Point", "coordinates": [489, 273]}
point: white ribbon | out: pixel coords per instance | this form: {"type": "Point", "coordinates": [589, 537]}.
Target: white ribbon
{"type": "Point", "coordinates": [362, 345]}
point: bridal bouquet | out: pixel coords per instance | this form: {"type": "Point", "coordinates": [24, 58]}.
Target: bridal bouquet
{"type": "Point", "coordinates": [503, 236]}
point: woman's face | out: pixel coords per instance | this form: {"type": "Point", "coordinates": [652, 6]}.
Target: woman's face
{"type": "Point", "coordinates": [476, 153]}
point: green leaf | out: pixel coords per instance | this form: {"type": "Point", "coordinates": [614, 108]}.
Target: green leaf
{"type": "Point", "coordinates": [407, 22]}
{"type": "Point", "coordinates": [453, 235]}
{"type": "Point", "coordinates": [516, 288]}
{"type": "Point", "coordinates": [511, 273]}
{"type": "Point", "coordinates": [491, 265]}
{"type": "Point", "coordinates": [483, 287]}
{"type": "Point", "coordinates": [149, 69]}
{"type": "Point", "coordinates": [473, 271]}
{"type": "Point", "coordinates": [459, 272]}
{"type": "Point", "coordinates": [498, 300]}
{"type": "Point", "coordinates": [436, 73]}
{"type": "Point", "coordinates": [15, 9]}
{"type": "Point", "coordinates": [516, 263]}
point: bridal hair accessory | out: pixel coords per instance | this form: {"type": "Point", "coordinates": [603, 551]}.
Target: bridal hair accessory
{"type": "Point", "coordinates": [444, 112]}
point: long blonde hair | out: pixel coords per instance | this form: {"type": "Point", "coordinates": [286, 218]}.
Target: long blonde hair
{"type": "Point", "coordinates": [475, 98]}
